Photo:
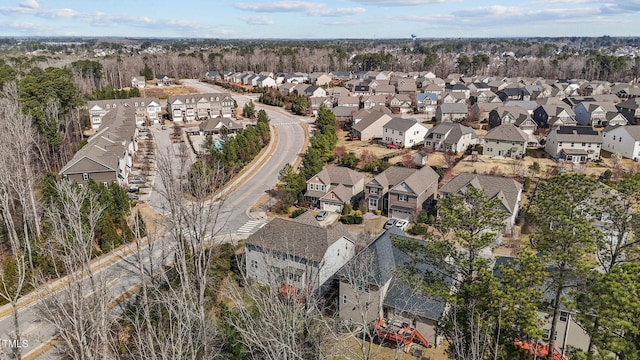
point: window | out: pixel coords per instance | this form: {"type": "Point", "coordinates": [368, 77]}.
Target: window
{"type": "Point", "coordinates": [85, 176]}
{"type": "Point", "coordinates": [572, 144]}
{"type": "Point", "coordinates": [373, 190]}
{"type": "Point", "coordinates": [564, 315]}
{"type": "Point", "coordinates": [254, 264]}
{"type": "Point", "coordinates": [106, 184]}
{"type": "Point", "coordinates": [386, 130]}
{"type": "Point", "coordinates": [373, 203]}
{"type": "Point", "coordinates": [400, 133]}
{"type": "Point", "coordinates": [403, 197]}
{"type": "Point", "coordinates": [344, 299]}
{"type": "Point", "coordinates": [438, 136]}
{"type": "Point", "coordinates": [584, 144]}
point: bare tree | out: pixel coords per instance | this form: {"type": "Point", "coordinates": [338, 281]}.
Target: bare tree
{"type": "Point", "coordinates": [79, 308]}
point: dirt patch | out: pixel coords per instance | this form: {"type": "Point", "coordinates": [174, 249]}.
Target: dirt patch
{"type": "Point", "coordinates": [163, 92]}
{"type": "Point", "coordinates": [357, 146]}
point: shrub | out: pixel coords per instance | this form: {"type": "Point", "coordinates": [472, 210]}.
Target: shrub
{"type": "Point", "coordinates": [351, 219]}
{"type": "Point", "coordinates": [418, 229]}
{"type": "Point", "coordinates": [298, 212]}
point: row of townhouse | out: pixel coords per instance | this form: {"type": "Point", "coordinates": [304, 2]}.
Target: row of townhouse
{"type": "Point", "coordinates": [200, 106]}
{"type": "Point", "coordinates": [145, 110]}
{"type": "Point", "coordinates": [108, 154]}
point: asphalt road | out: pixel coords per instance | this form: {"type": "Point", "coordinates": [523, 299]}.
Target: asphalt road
{"type": "Point", "coordinates": [235, 220]}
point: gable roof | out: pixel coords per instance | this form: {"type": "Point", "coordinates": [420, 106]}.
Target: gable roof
{"type": "Point", "coordinates": [371, 118]}
{"type": "Point", "coordinates": [578, 134]}
{"type": "Point", "coordinates": [507, 190]}
{"type": "Point", "coordinates": [506, 132]}
{"type": "Point", "coordinates": [452, 130]}
{"type": "Point", "coordinates": [417, 182]}
{"type": "Point", "coordinates": [391, 176]}
{"type": "Point", "coordinates": [633, 130]}
{"type": "Point", "coordinates": [401, 124]}
{"type": "Point", "coordinates": [454, 108]}
{"type": "Point", "coordinates": [299, 237]}
{"type": "Point", "coordinates": [338, 175]}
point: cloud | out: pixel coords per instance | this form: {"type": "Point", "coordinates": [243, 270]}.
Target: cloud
{"type": "Point", "coordinates": [30, 4]}
{"type": "Point", "coordinates": [258, 20]}
{"type": "Point", "coordinates": [401, 2]}
{"type": "Point", "coordinates": [308, 8]}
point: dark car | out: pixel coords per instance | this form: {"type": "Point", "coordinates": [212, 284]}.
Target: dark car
{"type": "Point", "coordinates": [321, 215]}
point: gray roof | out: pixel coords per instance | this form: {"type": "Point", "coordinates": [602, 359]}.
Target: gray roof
{"type": "Point", "coordinates": [633, 130]}
{"type": "Point", "coordinates": [368, 120]}
{"type": "Point", "coordinates": [453, 132]}
{"type": "Point", "coordinates": [401, 124]}
{"type": "Point", "coordinates": [454, 108]}
{"type": "Point", "coordinates": [391, 177]}
{"type": "Point", "coordinates": [337, 175]}
{"type": "Point", "coordinates": [417, 182]}
{"type": "Point", "coordinates": [578, 134]}
{"type": "Point", "coordinates": [506, 132]}
{"type": "Point", "coordinates": [386, 259]}
{"type": "Point", "coordinates": [507, 190]}
{"type": "Point", "coordinates": [300, 237]}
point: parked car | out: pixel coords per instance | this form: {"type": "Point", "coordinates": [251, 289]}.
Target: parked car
{"type": "Point", "coordinates": [133, 196]}
{"type": "Point", "coordinates": [164, 127]}
{"type": "Point", "coordinates": [321, 215]}
{"type": "Point", "coordinates": [133, 189]}
{"type": "Point", "coordinates": [402, 224]}
{"type": "Point", "coordinates": [389, 223]}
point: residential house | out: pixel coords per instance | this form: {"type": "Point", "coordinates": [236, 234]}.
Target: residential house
{"type": "Point", "coordinates": [320, 78]}
{"type": "Point", "coordinates": [341, 75]}
{"type": "Point", "coordinates": [286, 88]}
{"type": "Point", "coordinates": [370, 125]}
{"type": "Point", "coordinates": [575, 144]}
{"type": "Point", "coordinates": [362, 90]}
{"type": "Point", "coordinates": [344, 113]}
{"type": "Point", "coordinates": [336, 92]}
{"type": "Point", "coordinates": [507, 190]}
{"type": "Point", "coordinates": [630, 108]}
{"type": "Point", "coordinates": [370, 289]}
{"type": "Point", "coordinates": [400, 104]}
{"type": "Point", "coordinates": [296, 78]}
{"type": "Point", "coordinates": [505, 141]}
{"type": "Point", "coordinates": [212, 75]}
{"type": "Point", "coordinates": [624, 140]}
{"type": "Point", "coordinates": [432, 88]}
{"type": "Point", "coordinates": [138, 82]}
{"type": "Point", "coordinates": [349, 101]}
{"type": "Point", "coordinates": [108, 154]}
{"type": "Point", "coordinates": [514, 93]}
{"type": "Point", "coordinates": [334, 186]}
{"type": "Point", "coordinates": [450, 136]}
{"type": "Point", "coordinates": [266, 82]}
{"type": "Point", "coordinates": [480, 111]}
{"type": "Point", "coordinates": [404, 132]}
{"type": "Point", "coordinates": [387, 90]}
{"type": "Point", "coordinates": [407, 86]}
{"type": "Point", "coordinates": [506, 115]}
{"type": "Point", "coordinates": [297, 253]}
{"type": "Point", "coordinates": [594, 113]}
{"type": "Point", "coordinates": [315, 91]}
{"type": "Point", "coordinates": [315, 103]}
{"type": "Point", "coordinates": [219, 125]}
{"type": "Point", "coordinates": [401, 193]}
{"type": "Point", "coordinates": [451, 98]}
{"type": "Point", "coordinates": [459, 88]}
{"type": "Point", "coordinates": [426, 103]}
{"type": "Point", "coordinates": [553, 115]}
{"type": "Point", "coordinates": [146, 110]}
{"type": "Point", "coordinates": [451, 112]}
{"type": "Point", "coordinates": [484, 97]}
{"type": "Point", "coordinates": [369, 102]}
{"type": "Point", "coordinates": [163, 80]}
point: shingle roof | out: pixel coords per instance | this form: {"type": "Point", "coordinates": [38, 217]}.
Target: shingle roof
{"type": "Point", "coordinates": [299, 237]}
{"type": "Point", "coordinates": [493, 186]}
{"type": "Point", "coordinates": [506, 132]}
{"type": "Point", "coordinates": [392, 176]}
{"type": "Point", "coordinates": [454, 108]}
{"type": "Point", "coordinates": [401, 124]}
{"type": "Point", "coordinates": [339, 175]}
{"type": "Point", "coordinates": [578, 134]}
{"type": "Point", "coordinates": [453, 131]}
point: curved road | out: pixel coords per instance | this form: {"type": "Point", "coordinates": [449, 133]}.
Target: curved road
{"type": "Point", "coordinates": [120, 274]}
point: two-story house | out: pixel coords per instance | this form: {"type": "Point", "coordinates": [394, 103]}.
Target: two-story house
{"type": "Point", "coordinates": [576, 144]}
{"type": "Point", "coordinates": [624, 140]}
{"type": "Point", "coordinates": [450, 136]}
{"type": "Point", "coordinates": [404, 132]}
{"type": "Point", "coordinates": [426, 103]}
{"type": "Point", "coordinates": [553, 115]}
{"type": "Point", "coordinates": [507, 190]}
{"type": "Point", "coordinates": [370, 124]}
{"type": "Point", "coordinates": [297, 253]}
{"type": "Point", "coordinates": [506, 141]}
{"type": "Point", "coordinates": [592, 113]}
{"type": "Point", "coordinates": [334, 186]}
{"type": "Point", "coordinates": [138, 82]}
{"type": "Point", "coordinates": [371, 290]}
{"type": "Point", "coordinates": [451, 112]}
{"type": "Point", "coordinates": [630, 108]}
{"type": "Point", "coordinates": [401, 192]}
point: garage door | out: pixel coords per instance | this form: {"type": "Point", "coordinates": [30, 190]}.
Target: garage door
{"type": "Point", "coordinates": [401, 214]}
{"type": "Point", "coordinates": [332, 207]}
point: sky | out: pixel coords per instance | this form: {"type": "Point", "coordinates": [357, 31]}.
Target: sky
{"type": "Point", "coordinates": [320, 19]}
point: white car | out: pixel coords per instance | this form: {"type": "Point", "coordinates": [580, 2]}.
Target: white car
{"type": "Point", "coordinates": [402, 224]}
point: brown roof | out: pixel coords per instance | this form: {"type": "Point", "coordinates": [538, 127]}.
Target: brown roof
{"type": "Point", "coordinates": [338, 175]}
{"type": "Point", "coordinates": [299, 237]}
{"type": "Point", "coordinates": [506, 132]}
{"type": "Point", "coordinates": [391, 177]}
{"type": "Point", "coordinates": [417, 182]}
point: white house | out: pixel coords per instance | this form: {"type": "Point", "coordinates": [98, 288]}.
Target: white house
{"type": "Point", "coordinates": [624, 140]}
{"type": "Point", "coordinates": [576, 144]}
{"type": "Point", "coordinates": [450, 136]}
{"type": "Point", "coordinates": [404, 132]}
{"type": "Point", "coordinates": [297, 253]}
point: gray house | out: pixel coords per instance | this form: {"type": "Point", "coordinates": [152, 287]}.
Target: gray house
{"type": "Point", "coordinates": [505, 141]}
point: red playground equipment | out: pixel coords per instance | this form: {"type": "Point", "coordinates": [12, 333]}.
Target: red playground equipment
{"type": "Point", "coordinates": [400, 334]}
{"type": "Point", "coordinates": [542, 350]}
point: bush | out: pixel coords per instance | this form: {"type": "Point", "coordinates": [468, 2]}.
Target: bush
{"type": "Point", "coordinates": [351, 219]}
{"type": "Point", "coordinates": [347, 208]}
{"type": "Point", "coordinates": [527, 184]}
{"type": "Point", "coordinates": [298, 212]}
{"type": "Point", "coordinates": [418, 229]}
